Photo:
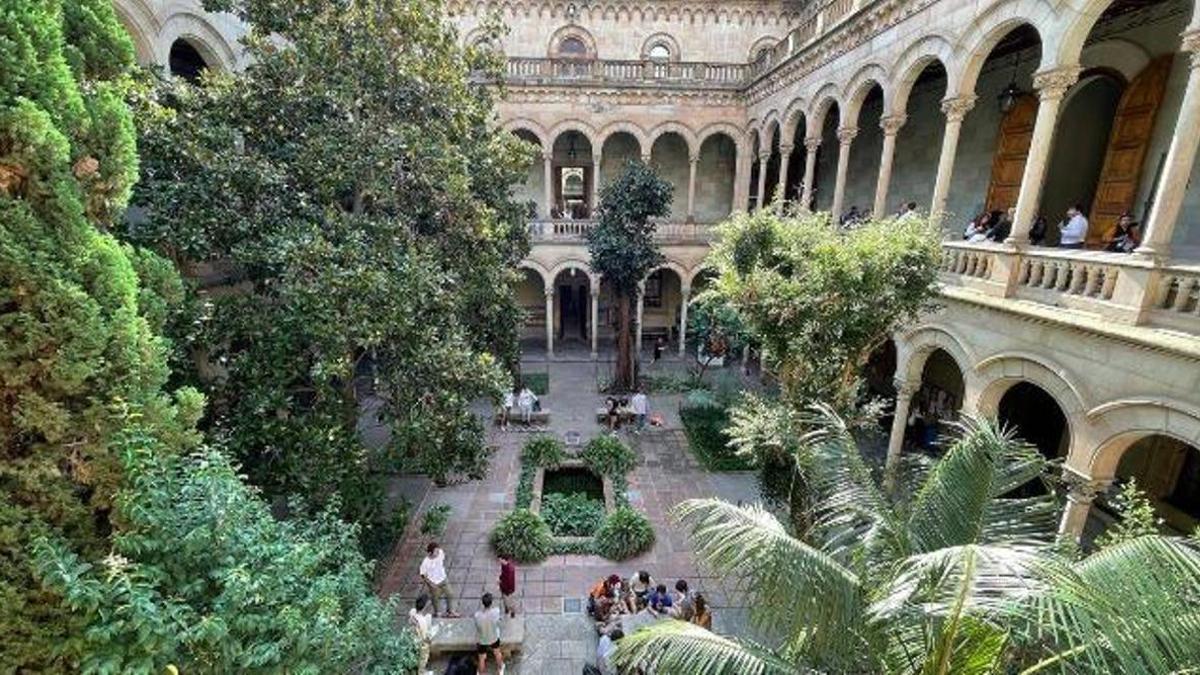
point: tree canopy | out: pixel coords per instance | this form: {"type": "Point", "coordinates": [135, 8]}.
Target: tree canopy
{"type": "Point", "coordinates": [343, 207]}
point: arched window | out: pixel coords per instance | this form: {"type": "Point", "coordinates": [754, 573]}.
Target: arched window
{"type": "Point", "coordinates": [572, 47]}
{"type": "Point", "coordinates": [659, 52]}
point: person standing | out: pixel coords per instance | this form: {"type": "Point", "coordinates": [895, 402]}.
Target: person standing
{"type": "Point", "coordinates": [508, 585]}
{"type": "Point", "coordinates": [506, 406]}
{"type": "Point", "coordinates": [487, 634]}
{"type": "Point", "coordinates": [422, 627]}
{"type": "Point", "coordinates": [659, 345]}
{"type": "Point", "coordinates": [433, 574]}
{"type": "Point", "coordinates": [525, 401]}
{"type": "Point", "coordinates": [605, 648]}
{"type": "Point", "coordinates": [1074, 230]}
{"type": "Point", "coordinates": [641, 407]}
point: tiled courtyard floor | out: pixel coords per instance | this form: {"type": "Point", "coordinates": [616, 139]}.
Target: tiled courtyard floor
{"type": "Point", "coordinates": [558, 637]}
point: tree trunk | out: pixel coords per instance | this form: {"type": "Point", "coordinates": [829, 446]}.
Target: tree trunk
{"type": "Point", "coordinates": [623, 377]}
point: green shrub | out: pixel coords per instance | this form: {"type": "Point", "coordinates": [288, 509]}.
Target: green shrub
{"type": "Point", "coordinates": [573, 547]}
{"type": "Point", "coordinates": [525, 485]}
{"type": "Point", "coordinates": [608, 456]}
{"type": "Point", "coordinates": [670, 383]}
{"type": "Point", "coordinates": [522, 535]}
{"type": "Point", "coordinates": [701, 398]}
{"type": "Point", "coordinates": [573, 515]}
{"type": "Point", "coordinates": [624, 534]}
{"type": "Point", "coordinates": [538, 383]}
{"type": "Point", "coordinates": [544, 451]}
{"type": "Point", "coordinates": [435, 520]}
{"type": "Point", "coordinates": [705, 429]}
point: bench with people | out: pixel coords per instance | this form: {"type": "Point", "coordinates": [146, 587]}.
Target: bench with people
{"type": "Point", "coordinates": [520, 405]}
{"type": "Point", "coordinates": [618, 411]}
{"type": "Point", "coordinates": [619, 607]}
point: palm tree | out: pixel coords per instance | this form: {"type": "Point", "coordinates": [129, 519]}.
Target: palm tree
{"type": "Point", "coordinates": [959, 576]}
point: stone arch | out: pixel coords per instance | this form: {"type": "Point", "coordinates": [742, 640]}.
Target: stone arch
{"type": "Point", "coordinates": [684, 132]}
{"type": "Point", "coordinates": [477, 35]}
{"type": "Point", "coordinates": [825, 98]}
{"type": "Point", "coordinates": [770, 132]}
{"type": "Point", "coordinates": [525, 124]}
{"type": "Point", "coordinates": [867, 77]}
{"type": "Point", "coordinates": [537, 268]}
{"type": "Point", "coordinates": [1079, 25]}
{"type": "Point", "coordinates": [986, 32]}
{"type": "Point", "coordinates": [998, 372]}
{"type": "Point", "coordinates": [913, 350]}
{"type": "Point", "coordinates": [573, 125]}
{"type": "Point", "coordinates": [665, 39]}
{"type": "Point", "coordinates": [913, 62]}
{"type": "Point", "coordinates": [639, 134]}
{"type": "Point", "coordinates": [1116, 54]}
{"type": "Point", "coordinates": [792, 117]}
{"type": "Point", "coordinates": [139, 21]}
{"type": "Point", "coordinates": [735, 134]}
{"type": "Point", "coordinates": [200, 34]}
{"type": "Point", "coordinates": [760, 46]}
{"type": "Point", "coordinates": [565, 264]}
{"type": "Point", "coordinates": [572, 31]}
{"type": "Point", "coordinates": [1124, 422]}
{"type": "Point", "coordinates": [677, 267]}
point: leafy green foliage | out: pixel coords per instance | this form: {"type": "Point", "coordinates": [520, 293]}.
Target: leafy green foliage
{"type": "Point", "coordinates": [1135, 517]}
{"type": "Point", "coordinates": [705, 427]}
{"type": "Point", "coordinates": [538, 383]}
{"type": "Point", "coordinates": [522, 535]}
{"type": "Point", "coordinates": [961, 579]}
{"type": "Point", "coordinates": [716, 328]}
{"type": "Point", "coordinates": [280, 595]}
{"type": "Point", "coordinates": [344, 206]}
{"type": "Point", "coordinates": [607, 455]}
{"type": "Point", "coordinates": [435, 519]}
{"type": "Point", "coordinates": [624, 534]}
{"type": "Point", "coordinates": [543, 451]}
{"type": "Point", "coordinates": [572, 515]}
{"type": "Point", "coordinates": [623, 250]}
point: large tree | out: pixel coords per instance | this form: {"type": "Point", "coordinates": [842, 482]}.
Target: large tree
{"type": "Point", "coordinates": [623, 250]}
{"type": "Point", "coordinates": [344, 206]}
{"type": "Point", "coordinates": [960, 578]}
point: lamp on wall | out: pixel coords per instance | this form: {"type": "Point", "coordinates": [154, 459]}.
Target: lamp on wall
{"type": "Point", "coordinates": [1008, 97]}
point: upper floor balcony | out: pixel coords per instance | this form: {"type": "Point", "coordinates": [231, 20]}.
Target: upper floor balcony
{"type": "Point", "coordinates": [684, 74]}
{"type": "Point", "coordinates": [574, 231]}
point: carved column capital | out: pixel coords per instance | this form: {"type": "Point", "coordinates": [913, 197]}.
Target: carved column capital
{"type": "Point", "coordinates": [812, 144]}
{"type": "Point", "coordinates": [1053, 84]}
{"type": "Point", "coordinates": [1083, 489]}
{"type": "Point", "coordinates": [549, 293]}
{"type": "Point", "coordinates": [892, 124]}
{"type": "Point", "coordinates": [785, 148]}
{"type": "Point", "coordinates": [905, 388]}
{"type": "Point", "coordinates": [645, 158]}
{"type": "Point", "coordinates": [764, 157]}
{"type": "Point", "coordinates": [957, 108]}
{"type": "Point", "coordinates": [694, 159]}
{"type": "Point", "coordinates": [846, 135]}
{"type": "Point", "coordinates": [1191, 43]}
{"type": "Point", "coordinates": [547, 156]}
{"type": "Point", "coordinates": [686, 291]}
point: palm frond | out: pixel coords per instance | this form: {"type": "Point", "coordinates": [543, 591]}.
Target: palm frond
{"type": "Point", "coordinates": [850, 509]}
{"type": "Point", "coordinates": [680, 648]}
{"type": "Point", "coordinates": [1131, 608]}
{"type": "Point", "coordinates": [794, 589]}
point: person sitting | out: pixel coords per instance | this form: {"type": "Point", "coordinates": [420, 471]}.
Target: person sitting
{"type": "Point", "coordinates": [1037, 232]}
{"type": "Point", "coordinates": [506, 405]}
{"type": "Point", "coordinates": [641, 584]}
{"type": "Point", "coordinates": [525, 401]}
{"type": "Point", "coordinates": [605, 588]}
{"type": "Point", "coordinates": [660, 601]}
{"type": "Point", "coordinates": [684, 605]}
{"type": "Point", "coordinates": [1127, 236]}
{"type": "Point", "coordinates": [605, 649]}
{"type": "Point", "coordinates": [1002, 225]}
{"type": "Point", "coordinates": [612, 414]}
{"type": "Point", "coordinates": [977, 228]}
{"type": "Point", "coordinates": [703, 615]}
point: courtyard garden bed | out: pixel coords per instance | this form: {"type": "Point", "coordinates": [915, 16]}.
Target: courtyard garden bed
{"type": "Point", "coordinates": [573, 504]}
{"type": "Point", "coordinates": [705, 418]}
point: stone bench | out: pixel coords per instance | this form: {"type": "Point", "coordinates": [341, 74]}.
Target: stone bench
{"type": "Point", "coordinates": [624, 415]}
{"type": "Point", "coordinates": [458, 635]}
{"type": "Point", "coordinates": [539, 417]}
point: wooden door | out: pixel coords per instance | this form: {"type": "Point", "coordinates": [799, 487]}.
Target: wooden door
{"type": "Point", "coordinates": [1127, 146]}
{"type": "Point", "coordinates": [1012, 149]}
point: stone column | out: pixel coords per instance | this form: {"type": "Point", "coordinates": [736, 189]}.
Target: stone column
{"type": "Point", "coordinates": [1051, 86]}
{"type": "Point", "coordinates": [845, 138]}
{"type": "Point", "coordinates": [549, 321]}
{"type": "Point", "coordinates": [891, 126]}
{"type": "Point", "coordinates": [741, 177]}
{"type": "Point", "coordinates": [595, 307]}
{"type": "Point", "coordinates": [1081, 492]}
{"type": "Point", "coordinates": [785, 158]}
{"type": "Point", "coordinates": [763, 158]}
{"type": "Point", "coordinates": [686, 292]}
{"type": "Point", "coordinates": [693, 162]}
{"type": "Point", "coordinates": [1181, 156]}
{"type": "Point", "coordinates": [810, 167]}
{"type": "Point", "coordinates": [548, 163]}
{"type": "Point", "coordinates": [641, 306]}
{"type": "Point", "coordinates": [594, 197]}
{"type": "Point", "coordinates": [955, 109]}
{"type": "Point", "coordinates": [904, 395]}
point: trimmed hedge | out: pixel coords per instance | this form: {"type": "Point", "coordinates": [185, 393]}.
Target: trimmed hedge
{"type": "Point", "coordinates": [543, 450]}
{"type": "Point", "coordinates": [608, 456]}
{"type": "Point", "coordinates": [522, 535]}
{"type": "Point", "coordinates": [624, 534]}
{"type": "Point", "coordinates": [705, 429]}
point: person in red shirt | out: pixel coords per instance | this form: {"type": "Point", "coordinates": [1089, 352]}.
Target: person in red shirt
{"type": "Point", "coordinates": [508, 585]}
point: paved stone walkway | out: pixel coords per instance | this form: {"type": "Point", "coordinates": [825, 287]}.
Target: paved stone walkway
{"type": "Point", "coordinates": [559, 637]}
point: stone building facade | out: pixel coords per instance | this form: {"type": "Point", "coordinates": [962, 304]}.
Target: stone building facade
{"type": "Point", "coordinates": [960, 107]}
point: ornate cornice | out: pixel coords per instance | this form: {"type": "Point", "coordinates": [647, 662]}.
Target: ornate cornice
{"type": "Point", "coordinates": [619, 95]}
{"type": "Point", "coordinates": [694, 13]}
{"type": "Point", "coordinates": [956, 109]}
{"type": "Point", "coordinates": [1054, 83]}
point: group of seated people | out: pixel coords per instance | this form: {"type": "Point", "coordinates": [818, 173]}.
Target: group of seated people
{"type": "Point", "coordinates": [621, 606]}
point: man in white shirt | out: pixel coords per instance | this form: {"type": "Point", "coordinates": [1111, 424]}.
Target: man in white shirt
{"type": "Point", "coordinates": [422, 626]}
{"type": "Point", "coordinates": [487, 634]}
{"type": "Point", "coordinates": [1074, 230]}
{"type": "Point", "coordinates": [433, 574]}
{"type": "Point", "coordinates": [641, 407]}
{"type": "Point", "coordinates": [605, 650]}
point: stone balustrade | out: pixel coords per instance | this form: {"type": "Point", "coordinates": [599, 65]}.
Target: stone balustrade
{"type": "Point", "coordinates": [528, 70]}
{"type": "Point", "coordinates": [1125, 288]}
{"type": "Point", "coordinates": [573, 231]}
